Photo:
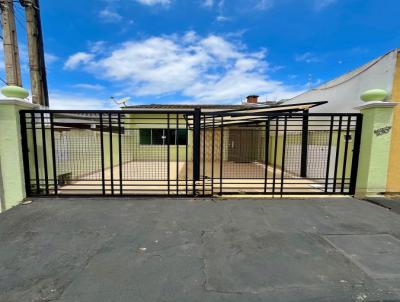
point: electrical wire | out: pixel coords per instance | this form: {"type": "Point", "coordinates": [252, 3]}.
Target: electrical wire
{"type": "Point", "coordinates": [18, 16]}
{"type": "Point", "coordinates": [1, 79]}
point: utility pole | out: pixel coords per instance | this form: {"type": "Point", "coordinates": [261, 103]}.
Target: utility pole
{"type": "Point", "coordinates": [10, 43]}
{"type": "Point", "coordinates": [37, 64]}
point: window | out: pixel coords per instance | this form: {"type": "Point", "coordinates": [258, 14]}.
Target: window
{"type": "Point", "coordinates": [181, 138]}
{"type": "Point", "coordinates": [145, 136]}
{"type": "Point", "coordinates": [160, 137]}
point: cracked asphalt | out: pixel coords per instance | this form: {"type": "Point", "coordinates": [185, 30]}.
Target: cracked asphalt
{"type": "Point", "coordinates": [73, 250]}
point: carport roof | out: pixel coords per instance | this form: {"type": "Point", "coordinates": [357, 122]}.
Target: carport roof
{"type": "Point", "coordinates": [253, 114]}
{"type": "Point", "coordinates": [187, 106]}
{"type": "Point", "coordinates": [221, 108]}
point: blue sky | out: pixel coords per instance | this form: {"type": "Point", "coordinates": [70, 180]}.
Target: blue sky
{"type": "Point", "coordinates": [204, 51]}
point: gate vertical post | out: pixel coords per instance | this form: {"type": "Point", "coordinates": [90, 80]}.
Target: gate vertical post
{"type": "Point", "coordinates": [53, 154]}
{"type": "Point", "coordinates": [375, 148]}
{"type": "Point", "coordinates": [266, 153]}
{"type": "Point", "coordinates": [12, 180]}
{"type": "Point", "coordinates": [356, 155]}
{"type": "Point", "coordinates": [196, 144]}
{"type": "Point", "coordinates": [121, 191]}
{"type": "Point", "coordinates": [304, 144]}
{"type": "Point", "coordinates": [103, 183]}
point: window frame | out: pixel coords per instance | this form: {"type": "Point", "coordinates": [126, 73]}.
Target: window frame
{"type": "Point", "coordinates": [164, 137]}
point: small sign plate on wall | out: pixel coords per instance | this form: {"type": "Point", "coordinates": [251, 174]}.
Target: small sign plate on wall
{"type": "Point", "coordinates": [382, 131]}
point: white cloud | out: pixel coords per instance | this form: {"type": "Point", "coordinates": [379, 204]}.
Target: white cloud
{"type": "Point", "coordinates": [321, 4]}
{"type": "Point", "coordinates": [77, 59]}
{"type": "Point", "coordinates": [50, 58]}
{"type": "Point", "coordinates": [89, 86]}
{"type": "Point", "coordinates": [264, 4]}
{"type": "Point", "coordinates": [190, 37]}
{"type": "Point", "coordinates": [110, 16]}
{"type": "Point", "coordinates": [307, 57]}
{"type": "Point", "coordinates": [246, 5]}
{"type": "Point", "coordinates": [221, 18]}
{"type": "Point", "coordinates": [208, 3]}
{"type": "Point", "coordinates": [97, 46]}
{"type": "Point", "coordinates": [206, 69]}
{"type": "Point", "coordinates": [154, 2]}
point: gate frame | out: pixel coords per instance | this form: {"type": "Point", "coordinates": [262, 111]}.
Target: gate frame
{"type": "Point", "coordinates": [198, 115]}
{"type": "Point", "coordinates": [305, 115]}
{"type": "Point", "coordinates": [50, 112]}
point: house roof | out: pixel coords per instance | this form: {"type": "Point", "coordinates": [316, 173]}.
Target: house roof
{"type": "Point", "coordinates": [343, 93]}
{"type": "Point", "coordinates": [214, 115]}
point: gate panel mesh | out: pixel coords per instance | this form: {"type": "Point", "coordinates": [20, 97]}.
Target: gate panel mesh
{"type": "Point", "coordinates": [180, 153]}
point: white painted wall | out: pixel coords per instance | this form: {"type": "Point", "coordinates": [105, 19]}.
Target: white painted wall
{"type": "Point", "coordinates": [343, 93]}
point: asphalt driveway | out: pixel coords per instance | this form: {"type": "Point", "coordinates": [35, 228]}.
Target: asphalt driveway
{"type": "Point", "coordinates": [199, 250]}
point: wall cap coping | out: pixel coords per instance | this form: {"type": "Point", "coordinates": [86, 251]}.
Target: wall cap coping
{"type": "Point", "coordinates": [377, 104]}
{"type": "Point", "coordinates": [17, 101]}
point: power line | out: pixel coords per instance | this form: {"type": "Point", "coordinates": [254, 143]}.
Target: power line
{"type": "Point", "coordinates": [21, 23]}
{"type": "Point", "coordinates": [1, 79]}
{"type": "Point", "coordinates": [19, 14]}
{"type": "Point", "coordinates": [21, 8]}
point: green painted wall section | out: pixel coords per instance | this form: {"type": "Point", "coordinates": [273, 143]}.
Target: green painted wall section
{"type": "Point", "coordinates": [108, 151]}
{"type": "Point", "coordinates": [374, 156]}
{"type": "Point", "coordinates": [315, 140]}
{"type": "Point", "coordinates": [40, 153]}
{"type": "Point", "coordinates": [78, 152]}
{"type": "Point", "coordinates": [11, 163]}
{"type": "Point", "coordinates": [155, 121]}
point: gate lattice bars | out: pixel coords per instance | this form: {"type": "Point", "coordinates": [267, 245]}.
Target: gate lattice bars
{"type": "Point", "coordinates": [107, 153]}
{"type": "Point", "coordinates": [279, 154]}
{"type": "Point", "coordinates": [188, 152]}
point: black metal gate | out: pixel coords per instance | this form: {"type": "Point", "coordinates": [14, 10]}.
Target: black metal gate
{"type": "Point", "coordinates": [188, 152]}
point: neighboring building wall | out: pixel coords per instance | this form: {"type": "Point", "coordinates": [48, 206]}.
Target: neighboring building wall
{"type": "Point", "coordinates": [318, 142]}
{"type": "Point", "coordinates": [78, 154]}
{"type": "Point", "coordinates": [343, 93]}
{"type": "Point", "coordinates": [393, 182]}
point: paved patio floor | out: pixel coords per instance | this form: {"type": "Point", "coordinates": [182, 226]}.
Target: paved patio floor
{"type": "Point", "coordinates": [151, 177]}
{"type": "Point", "coordinates": [199, 250]}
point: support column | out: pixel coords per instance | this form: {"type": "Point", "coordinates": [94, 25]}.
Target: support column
{"type": "Point", "coordinates": [375, 147]}
{"type": "Point", "coordinates": [12, 187]}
